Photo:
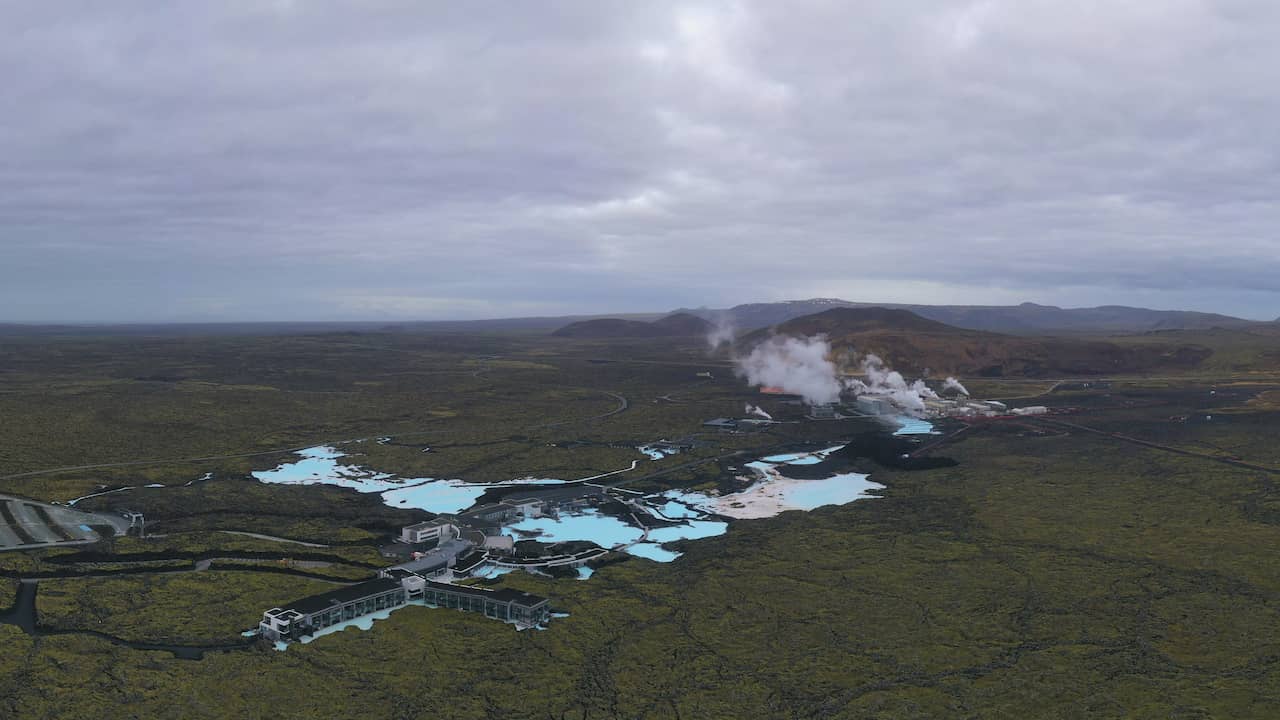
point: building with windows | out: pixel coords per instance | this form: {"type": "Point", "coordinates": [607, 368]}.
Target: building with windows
{"type": "Point", "coordinates": [394, 588]}
{"type": "Point", "coordinates": [505, 604]}
{"type": "Point", "coordinates": [436, 530]}
{"type": "Point", "coordinates": [310, 615]}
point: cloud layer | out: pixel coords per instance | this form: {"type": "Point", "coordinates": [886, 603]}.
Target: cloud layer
{"type": "Point", "coordinates": [288, 160]}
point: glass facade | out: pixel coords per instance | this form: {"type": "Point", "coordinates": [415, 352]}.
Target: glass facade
{"type": "Point", "coordinates": [355, 609]}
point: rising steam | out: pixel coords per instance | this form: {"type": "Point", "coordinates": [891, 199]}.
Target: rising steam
{"type": "Point", "coordinates": [721, 332]}
{"type": "Point", "coordinates": [885, 382]}
{"type": "Point", "coordinates": [803, 366]}
{"type": "Point", "coordinates": [796, 365]}
{"type": "Point", "coordinates": [758, 411]}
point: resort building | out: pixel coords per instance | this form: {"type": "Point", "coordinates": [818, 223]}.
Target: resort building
{"type": "Point", "coordinates": [397, 587]}
{"type": "Point", "coordinates": [436, 530]}
{"type": "Point", "coordinates": [318, 612]}
{"type": "Point", "coordinates": [505, 604]}
{"type": "Point", "coordinates": [435, 562]}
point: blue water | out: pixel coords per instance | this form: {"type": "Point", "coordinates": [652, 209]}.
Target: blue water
{"type": "Point", "coordinates": [652, 551]}
{"type": "Point", "coordinates": [802, 458]}
{"type": "Point", "coordinates": [603, 530]}
{"type": "Point", "coordinates": [585, 573]}
{"type": "Point", "coordinates": [836, 490]}
{"type": "Point", "coordinates": [913, 426]}
{"type": "Point", "coordinates": [690, 531]}
{"type": "Point", "coordinates": [490, 571]}
{"type": "Point", "coordinates": [673, 510]}
{"type": "Point", "coordinates": [321, 466]}
{"type": "Point", "coordinates": [437, 496]}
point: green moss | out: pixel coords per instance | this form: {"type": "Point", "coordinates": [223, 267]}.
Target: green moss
{"type": "Point", "coordinates": [1062, 576]}
{"type": "Point", "coordinates": [202, 608]}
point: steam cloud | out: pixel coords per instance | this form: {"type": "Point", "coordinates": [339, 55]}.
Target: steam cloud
{"type": "Point", "coordinates": [754, 410]}
{"type": "Point", "coordinates": [801, 366]}
{"type": "Point", "coordinates": [954, 384]}
{"type": "Point", "coordinates": [883, 381]}
{"type": "Point", "coordinates": [796, 365]}
{"type": "Point", "coordinates": [722, 332]}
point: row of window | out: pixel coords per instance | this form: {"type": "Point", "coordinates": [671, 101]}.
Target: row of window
{"type": "Point", "coordinates": [353, 610]}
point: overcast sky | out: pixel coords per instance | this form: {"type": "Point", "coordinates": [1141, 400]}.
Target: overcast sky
{"type": "Point", "coordinates": [263, 160]}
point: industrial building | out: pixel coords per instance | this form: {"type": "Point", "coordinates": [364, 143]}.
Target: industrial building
{"type": "Point", "coordinates": [823, 411]}
{"type": "Point", "coordinates": [875, 405]}
{"type": "Point", "coordinates": [963, 407]}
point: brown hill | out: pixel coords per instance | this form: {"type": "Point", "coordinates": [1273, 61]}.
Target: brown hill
{"type": "Point", "coordinates": [1024, 319]}
{"type": "Point", "coordinates": [914, 344]}
{"type": "Point", "coordinates": [677, 325]}
{"type": "Point", "coordinates": [682, 324]}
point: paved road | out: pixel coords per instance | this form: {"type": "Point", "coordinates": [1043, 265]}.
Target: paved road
{"type": "Point", "coordinates": [272, 537]}
{"type": "Point", "coordinates": [1158, 446]}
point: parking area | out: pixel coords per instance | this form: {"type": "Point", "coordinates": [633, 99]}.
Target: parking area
{"type": "Point", "coordinates": [29, 524]}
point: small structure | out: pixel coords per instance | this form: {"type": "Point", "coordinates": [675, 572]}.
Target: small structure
{"type": "Point", "coordinates": [491, 514]}
{"type": "Point", "coordinates": [527, 507]}
{"type": "Point", "coordinates": [466, 563]}
{"type": "Point", "coordinates": [136, 522]}
{"type": "Point", "coordinates": [875, 405]}
{"type": "Point", "coordinates": [438, 530]}
{"type": "Point", "coordinates": [823, 411]}
{"type": "Point", "coordinates": [433, 563]}
{"type": "Point", "coordinates": [505, 543]}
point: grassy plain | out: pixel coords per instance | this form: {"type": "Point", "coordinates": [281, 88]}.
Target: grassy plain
{"type": "Point", "coordinates": [196, 608]}
{"type": "Point", "coordinates": [1052, 573]}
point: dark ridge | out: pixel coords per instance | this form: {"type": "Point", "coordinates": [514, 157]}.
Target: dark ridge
{"type": "Point", "coordinates": [675, 325]}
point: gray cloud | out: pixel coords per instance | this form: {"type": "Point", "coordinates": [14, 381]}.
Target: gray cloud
{"type": "Point", "coordinates": [257, 160]}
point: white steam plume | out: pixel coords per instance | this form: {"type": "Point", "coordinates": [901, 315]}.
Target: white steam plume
{"type": "Point", "coordinates": [722, 331]}
{"type": "Point", "coordinates": [753, 410]}
{"type": "Point", "coordinates": [954, 384]}
{"type": "Point", "coordinates": [796, 365]}
{"type": "Point", "coordinates": [881, 380]}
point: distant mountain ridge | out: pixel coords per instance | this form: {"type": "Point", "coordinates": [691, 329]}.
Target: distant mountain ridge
{"type": "Point", "coordinates": [674, 325]}
{"type": "Point", "coordinates": [918, 345]}
{"type": "Point", "coordinates": [1025, 319]}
